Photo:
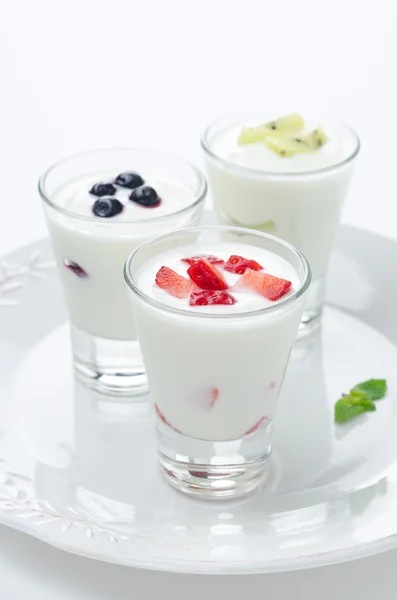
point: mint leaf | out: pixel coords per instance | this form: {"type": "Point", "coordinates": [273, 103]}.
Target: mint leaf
{"type": "Point", "coordinates": [360, 399]}
{"type": "Point", "coordinates": [344, 411]}
{"type": "Point", "coordinates": [349, 407]}
{"type": "Point", "coordinates": [373, 389]}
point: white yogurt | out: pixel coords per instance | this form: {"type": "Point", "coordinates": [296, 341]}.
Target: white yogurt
{"type": "Point", "coordinates": [213, 377]}
{"type": "Point", "coordinates": [98, 303]}
{"type": "Point", "coordinates": [297, 198]}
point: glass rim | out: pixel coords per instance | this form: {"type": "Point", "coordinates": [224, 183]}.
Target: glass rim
{"type": "Point", "coordinates": [45, 196]}
{"type": "Point", "coordinates": [206, 145]}
{"type": "Point", "coordinates": [133, 286]}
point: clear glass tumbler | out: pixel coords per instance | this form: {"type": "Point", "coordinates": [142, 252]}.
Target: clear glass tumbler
{"type": "Point", "coordinates": [90, 253]}
{"type": "Point", "coordinates": [236, 360]}
{"type": "Point", "coordinates": [303, 208]}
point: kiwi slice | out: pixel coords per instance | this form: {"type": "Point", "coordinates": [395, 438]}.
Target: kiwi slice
{"type": "Point", "coordinates": [319, 137]}
{"type": "Point", "coordinates": [284, 136]}
{"type": "Point", "coordinates": [266, 226]}
{"type": "Point", "coordinates": [313, 140]}
{"type": "Point", "coordinates": [251, 135]}
{"type": "Point", "coordinates": [284, 146]}
{"type": "Point", "coordinates": [290, 123]}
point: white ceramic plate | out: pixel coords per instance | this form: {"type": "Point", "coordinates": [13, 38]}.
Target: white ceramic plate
{"type": "Point", "coordinates": [78, 470]}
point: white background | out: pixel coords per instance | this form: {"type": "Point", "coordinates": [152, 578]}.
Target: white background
{"type": "Point", "coordinates": [81, 74]}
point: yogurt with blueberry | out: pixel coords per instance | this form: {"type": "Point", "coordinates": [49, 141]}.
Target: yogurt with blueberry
{"type": "Point", "coordinates": [216, 324]}
{"type": "Point", "coordinates": [285, 177]}
{"type": "Point", "coordinates": [99, 219]}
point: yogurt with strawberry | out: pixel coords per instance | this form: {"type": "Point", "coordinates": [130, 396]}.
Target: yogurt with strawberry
{"type": "Point", "coordinates": [216, 322]}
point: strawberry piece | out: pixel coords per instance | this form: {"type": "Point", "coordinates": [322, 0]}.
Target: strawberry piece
{"type": "Point", "coordinates": [206, 276]}
{"type": "Point", "coordinates": [269, 286]}
{"type": "Point", "coordinates": [207, 297]}
{"type": "Point", "coordinates": [163, 419]}
{"type": "Point", "coordinates": [173, 283]}
{"type": "Point", "coordinates": [204, 399]}
{"type": "Point", "coordinates": [239, 264]}
{"type": "Point", "coordinates": [257, 425]}
{"type": "Point", "coordinates": [214, 260]}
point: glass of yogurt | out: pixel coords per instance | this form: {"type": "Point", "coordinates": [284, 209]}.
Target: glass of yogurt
{"type": "Point", "coordinates": [217, 310]}
{"type": "Point", "coordinates": [285, 177]}
{"type": "Point", "coordinates": [100, 205]}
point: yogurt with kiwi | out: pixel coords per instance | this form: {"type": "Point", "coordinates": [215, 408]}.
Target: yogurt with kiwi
{"type": "Point", "coordinates": [286, 176]}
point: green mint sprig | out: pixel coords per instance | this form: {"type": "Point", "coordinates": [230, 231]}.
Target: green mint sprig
{"type": "Point", "coordinates": [360, 399]}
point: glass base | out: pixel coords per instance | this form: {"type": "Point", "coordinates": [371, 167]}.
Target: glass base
{"type": "Point", "coordinates": [311, 317]}
{"type": "Point", "coordinates": [214, 470]}
{"type": "Point", "coordinates": [113, 367]}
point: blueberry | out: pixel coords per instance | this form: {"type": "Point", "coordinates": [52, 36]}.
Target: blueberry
{"type": "Point", "coordinates": [103, 189]}
{"type": "Point", "coordinates": [107, 207]}
{"type": "Point", "coordinates": [75, 268]}
{"type": "Point", "coordinates": [145, 196]}
{"type": "Point", "coordinates": [129, 180]}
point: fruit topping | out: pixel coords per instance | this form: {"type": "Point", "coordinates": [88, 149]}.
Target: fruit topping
{"type": "Point", "coordinates": [163, 419]}
{"type": "Point", "coordinates": [239, 264]}
{"type": "Point", "coordinates": [289, 123]}
{"type": "Point", "coordinates": [252, 135]}
{"type": "Point", "coordinates": [103, 189]}
{"type": "Point", "coordinates": [129, 180]}
{"type": "Point", "coordinates": [207, 297]}
{"type": "Point", "coordinates": [206, 276]}
{"type": "Point", "coordinates": [214, 260]}
{"type": "Point", "coordinates": [107, 207]}
{"type": "Point", "coordinates": [313, 140]}
{"type": "Point", "coordinates": [266, 285]}
{"type": "Point", "coordinates": [204, 399]}
{"type": "Point", "coordinates": [286, 146]}
{"type": "Point", "coordinates": [173, 283]}
{"type": "Point", "coordinates": [75, 268]}
{"type": "Point", "coordinates": [145, 196]}
{"type": "Point", "coordinates": [255, 427]}
{"type": "Point", "coordinates": [286, 136]}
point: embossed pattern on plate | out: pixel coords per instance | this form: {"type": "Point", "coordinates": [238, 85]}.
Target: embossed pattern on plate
{"type": "Point", "coordinates": [78, 469]}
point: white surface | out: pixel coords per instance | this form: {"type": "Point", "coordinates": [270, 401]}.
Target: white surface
{"type": "Point", "coordinates": [64, 72]}
{"type": "Point", "coordinates": [35, 571]}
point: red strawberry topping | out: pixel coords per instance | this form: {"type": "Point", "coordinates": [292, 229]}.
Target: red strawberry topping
{"type": "Point", "coordinates": [206, 276]}
{"type": "Point", "coordinates": [239, 264]}
{"type": "Point", "coordinates": [214, 260]}
{"type": "Point", "coordinates": [204, 399]}
{"type": "Point", "coordinates": [207, 297]}
{"type": "Point", "coordinates": [266, 285]}
{"type": "Point", "coordinates": [163, 419]}
{"type": "Point", "coordinates": [255, 427]}
{"type": "Point", "coordinates": [173, 283]}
